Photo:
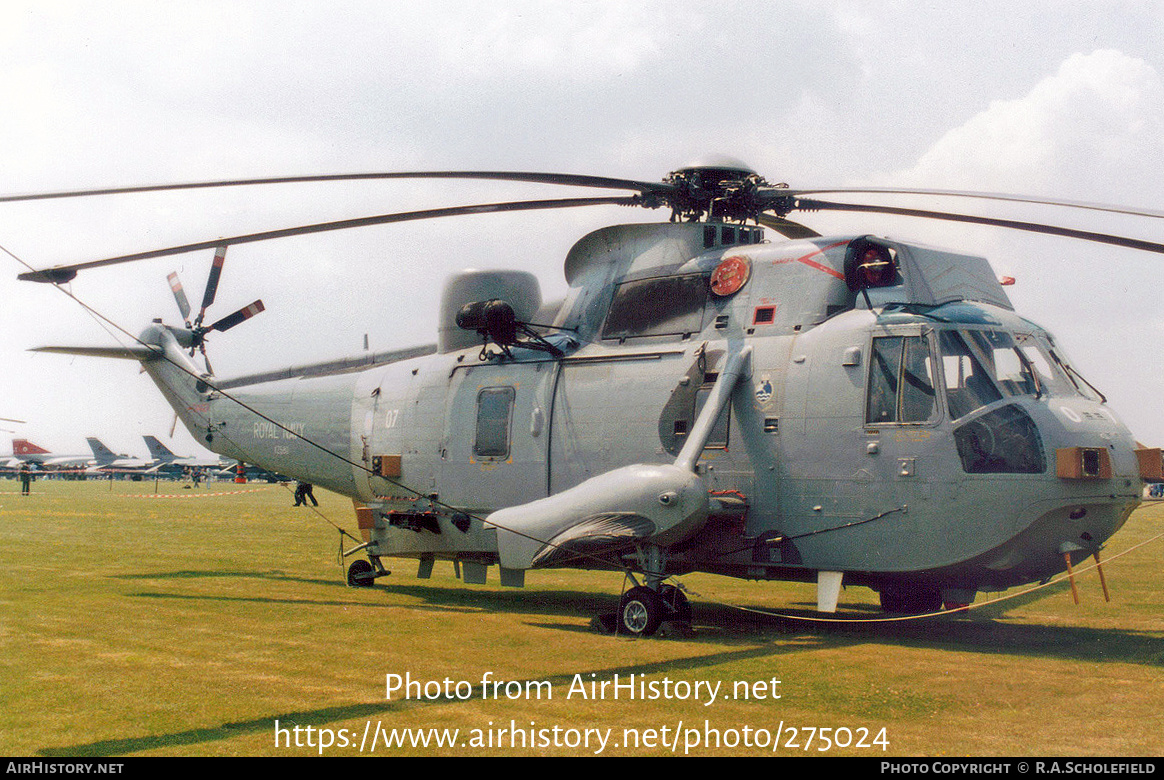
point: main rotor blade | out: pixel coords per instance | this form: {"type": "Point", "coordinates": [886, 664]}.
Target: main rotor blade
{"type": "Point", "coordinates": [64, 273]}
{"type": "Point", "coordinates": [1114, 209]}
{"type": "Point", "coordinates": [786, 227]}
{"type": "Point", "coordinates": [806, 204]}
{"type": "Point", "coordinates": [240, 316]}
{"type": "Point", "coordinates": [567, 179]}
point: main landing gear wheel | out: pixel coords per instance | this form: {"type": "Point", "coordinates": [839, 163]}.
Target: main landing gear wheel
{"type": "Point", "coordinates": [360, 574]}
{"type": "Point", "coordinates": [640, 611]}
{"type": "Point", "coordinates": [911, 599]}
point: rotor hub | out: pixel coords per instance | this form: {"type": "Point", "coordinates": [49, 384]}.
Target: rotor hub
{"type": "Point", "coordinates": [721, 188]}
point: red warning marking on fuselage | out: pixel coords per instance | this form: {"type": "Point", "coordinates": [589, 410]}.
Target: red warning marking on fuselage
{"type": "Point", "coordinates": [807, 260]}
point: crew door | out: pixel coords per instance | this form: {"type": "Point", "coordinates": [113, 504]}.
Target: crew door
{"type": "Point", "coordinates": [494, 450]}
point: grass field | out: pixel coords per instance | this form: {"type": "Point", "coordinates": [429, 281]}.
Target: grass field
{"type": "Point", "coordinates": [192, 625]}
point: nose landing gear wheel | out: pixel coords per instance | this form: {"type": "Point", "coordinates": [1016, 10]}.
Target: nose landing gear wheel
{"type": "Point", "coordinates": [639, 612]}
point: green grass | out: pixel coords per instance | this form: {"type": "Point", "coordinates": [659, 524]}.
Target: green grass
{"type": "Point", "coordinates": [190, 625]}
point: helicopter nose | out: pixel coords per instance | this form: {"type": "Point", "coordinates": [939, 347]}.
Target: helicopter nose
{"type": "Point", "coordinates": [1062, 533]}
{"type": "Point", "coordinates": [1089, 486]}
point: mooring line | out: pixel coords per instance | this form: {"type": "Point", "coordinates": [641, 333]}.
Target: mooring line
{"type": "Point", "coordinates": [903, 618]}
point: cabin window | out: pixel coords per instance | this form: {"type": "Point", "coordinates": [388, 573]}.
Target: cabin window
{"type": "Point", "coordinates": [494, 412]}
{"type": "Point", "coordinates": [664, 306]}
{"type": "Point", "coordinates": [901, 381]}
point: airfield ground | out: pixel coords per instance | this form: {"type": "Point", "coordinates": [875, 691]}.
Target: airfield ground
{"type": "Point", "coordinates": [206, 624]}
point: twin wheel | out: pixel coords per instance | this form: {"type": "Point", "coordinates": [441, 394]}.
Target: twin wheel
{"type": "Point", "coordinates": [641, 610]}
{"type": "Point", "coordinates": [911, 599]}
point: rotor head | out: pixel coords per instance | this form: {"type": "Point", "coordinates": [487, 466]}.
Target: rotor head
{"type": "Point", "coordinates": [193, 336]}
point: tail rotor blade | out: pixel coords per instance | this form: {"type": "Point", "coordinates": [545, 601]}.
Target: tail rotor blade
{"type": "Point", "coordinates": [206, 358]}
{"type": "Point", "coordinates": [243, 314]}
{"type": "Point", "coordinates": [180, 296]}
{"type": "Point", "coordinates": [212, 281]}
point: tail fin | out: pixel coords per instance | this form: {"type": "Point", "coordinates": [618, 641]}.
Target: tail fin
{"type": "Point", "coordinates": [25, 447]}
{"type": "Point", "coordinates": [168, 365]}
{"type": "Point", "coordinates": [103, 454]}
{"type": "Point", "coordinates": [159, 451]}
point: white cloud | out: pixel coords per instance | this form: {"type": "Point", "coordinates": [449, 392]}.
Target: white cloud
{"type": "Point", "coordinates": [1095, 127]}
{"type": "Point", "coordinates": [1091, 132]}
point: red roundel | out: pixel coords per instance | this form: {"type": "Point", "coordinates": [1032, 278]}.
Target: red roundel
{"type": "Point", "coordinates": [730, 275]}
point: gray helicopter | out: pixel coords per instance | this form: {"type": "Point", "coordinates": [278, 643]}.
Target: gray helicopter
{"type": "Point", "coordinates": [846, 410]}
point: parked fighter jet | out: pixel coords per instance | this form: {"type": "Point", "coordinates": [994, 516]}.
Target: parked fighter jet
{"type": "Point", "coordinates": [165, 460]}
{"type": "Point", "coordinates": [107, 461]}
{"type": "Point", "coordinates": [24, 450]}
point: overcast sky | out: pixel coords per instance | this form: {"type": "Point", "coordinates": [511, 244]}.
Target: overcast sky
{"type": "Point", "coordinates": [1065, 100]}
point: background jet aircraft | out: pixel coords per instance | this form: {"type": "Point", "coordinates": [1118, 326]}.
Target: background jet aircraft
{"type": "Point", "coordinates": [164, 456]}
{"type": "Point", "coordinates": [24, 450]}
{"type": "Point", "coordinates": [108, 460]}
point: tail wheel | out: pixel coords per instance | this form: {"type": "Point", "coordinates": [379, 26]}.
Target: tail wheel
{"type": "Point", "coordinates": [360, 574]}
{"type": "Point", "coordinates": [640, 611]}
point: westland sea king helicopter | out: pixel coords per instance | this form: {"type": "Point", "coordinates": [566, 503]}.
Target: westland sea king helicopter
{"type": "Point", "coordinates": [845, 410]}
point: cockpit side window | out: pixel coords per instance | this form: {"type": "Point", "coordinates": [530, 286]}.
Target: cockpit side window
{"type": "Point", "coordinates": [901, 381]}
{"type": "Point", "coordinates": [881, 406]}
{"type": "Point", "coordinates": [917, 381]}
{"type": "Point", "coordinates": [967, 365]}
{"type": "Point", "coordinates": [984, 366]}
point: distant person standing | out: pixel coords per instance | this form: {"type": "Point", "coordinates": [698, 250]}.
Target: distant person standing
{"type": "Point", "coordinates": [25, 479]}
{"type": "Point", "coordinates": [303, 493]}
